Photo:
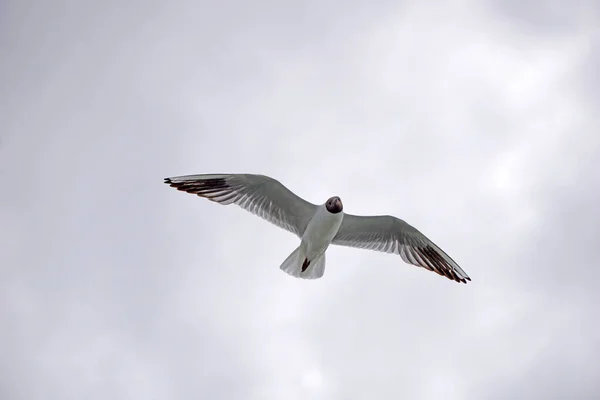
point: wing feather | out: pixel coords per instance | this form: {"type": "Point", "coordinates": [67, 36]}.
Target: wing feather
{"type": "Point", "coordinates": [389, 234]}
{"type": "Point", "coordinates": [258, 194]}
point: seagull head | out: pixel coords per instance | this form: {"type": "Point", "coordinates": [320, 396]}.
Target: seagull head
{"type": "Point", "coordinates": [334, 205]}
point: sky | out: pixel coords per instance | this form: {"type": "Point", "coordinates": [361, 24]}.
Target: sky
{"type": "Point", "coordinates": [475, 121]}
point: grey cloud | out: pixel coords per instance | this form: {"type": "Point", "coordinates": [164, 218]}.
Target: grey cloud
{"type": "Point", "coordinates": [588, 82]}
{"type": "Point", "coordinates": [116, 286]}
{"type": "Point", "coordinates": [548, 17]}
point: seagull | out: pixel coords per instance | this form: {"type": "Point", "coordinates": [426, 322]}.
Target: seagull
{"type": "Point", "coordinates": [319, 226]}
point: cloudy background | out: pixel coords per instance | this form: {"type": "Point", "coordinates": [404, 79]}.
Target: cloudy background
{"type": "Point", "coordinates": [475, 121]}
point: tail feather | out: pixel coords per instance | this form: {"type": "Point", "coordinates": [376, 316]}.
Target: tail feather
{"type": "Point", "coordinates": [305, 264]}
{"type": "Point", "coordinates": [299, 266]}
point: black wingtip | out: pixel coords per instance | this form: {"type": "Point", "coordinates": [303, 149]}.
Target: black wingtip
{"type": "Point", "coordinates": [168, 181]}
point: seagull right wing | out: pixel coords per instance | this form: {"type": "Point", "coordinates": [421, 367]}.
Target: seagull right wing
{"type": "Point", "coordinates": [258, 194]}
{"type": "Point", "coordinates": [389, 234]}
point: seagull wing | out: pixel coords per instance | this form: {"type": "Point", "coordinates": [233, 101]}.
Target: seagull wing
{"type": "Point", "coordinates": [259, 194]}
{"type": "Point", "coordinates": [389, 234]}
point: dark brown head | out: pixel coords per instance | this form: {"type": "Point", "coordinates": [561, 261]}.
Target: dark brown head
{"type": "Point", "coordinates": [334, 205]}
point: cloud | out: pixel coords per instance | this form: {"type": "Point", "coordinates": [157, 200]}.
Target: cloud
{"type": "Point", "coordinates": [472, 121]}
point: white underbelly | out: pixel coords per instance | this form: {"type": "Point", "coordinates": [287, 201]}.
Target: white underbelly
{"type": "Point", "coordinates": [320, 232]}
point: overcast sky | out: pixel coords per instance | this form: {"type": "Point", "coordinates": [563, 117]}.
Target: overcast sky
{"type": "Point", "coordinates": [475, 121]}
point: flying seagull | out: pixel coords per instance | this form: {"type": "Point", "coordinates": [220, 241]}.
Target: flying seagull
{"type": "Point", "coordinates": [319, 226]}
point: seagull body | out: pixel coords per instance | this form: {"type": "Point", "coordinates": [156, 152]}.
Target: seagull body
{"type": "Point", "coordinates": [317, 237]}
{"type": "Point", "coordinates": [319, 226]}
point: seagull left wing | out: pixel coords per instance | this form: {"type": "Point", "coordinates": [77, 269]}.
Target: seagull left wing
{"type": "Point", "coordinates": [392, 235]}
{"type": "Point", "coordinates": [259, 194]}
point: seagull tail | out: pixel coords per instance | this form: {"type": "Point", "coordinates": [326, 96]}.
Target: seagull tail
{"type": "Point", "coordinates": [299, 266]}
